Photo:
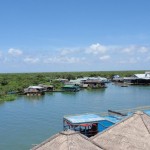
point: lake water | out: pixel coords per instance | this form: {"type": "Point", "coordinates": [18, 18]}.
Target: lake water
{"type": "Point", "coordinates": [31, 120]}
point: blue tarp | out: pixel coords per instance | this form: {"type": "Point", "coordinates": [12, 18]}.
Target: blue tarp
{"type": "Point", "coordinates": [109, 121]}
{"type": "Point", "coordinates": [104, 124]}
{"type": "Point", "coordinates": [86, 118]}
{"type": "Point", "coordinates": [147, 112]}
{"type": "Point", "coordinates": [113, 119]}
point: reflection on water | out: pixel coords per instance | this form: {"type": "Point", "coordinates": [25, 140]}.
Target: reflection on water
{"type": "Point", "coordinates": [69, 93]}
{"type": "Point", "coordinates": [35, 97]}
{"type": "Point", "coordinates": [32, 119]}
{"type": "Point", "coordinates": [101, 90]}
{"type": "Point", "coordinates": [2, 102]}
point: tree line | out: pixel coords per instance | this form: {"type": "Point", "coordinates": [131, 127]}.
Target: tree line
{"type": "Point", "coordinates": [11, 83]}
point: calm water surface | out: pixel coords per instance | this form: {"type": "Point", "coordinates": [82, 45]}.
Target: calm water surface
{"type": "Point", "coordinates": [30, 120]}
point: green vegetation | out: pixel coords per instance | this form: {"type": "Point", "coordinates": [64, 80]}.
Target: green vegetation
{"type": "Point", "coordinates": [16, 82]}
{"type": "Point", "coordinates": [7, 97]}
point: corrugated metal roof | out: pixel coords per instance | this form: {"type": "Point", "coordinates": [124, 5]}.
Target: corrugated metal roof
{"type": "Point", "coordinates": [69, 86]}
{"type": "Point", "coordinates": [140, 75]}
{"type": "Point", "coordinates": [35, 87]}
{"type": "Point", "coordinates": [85, 118]}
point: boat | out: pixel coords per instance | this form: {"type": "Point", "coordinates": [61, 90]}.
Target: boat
{"type": "Point", "coordinates": [70, 88]}
{"type": "Point", "coordinates": [124, 85]}
{"type": "Point", "coordinates": [89, 124]}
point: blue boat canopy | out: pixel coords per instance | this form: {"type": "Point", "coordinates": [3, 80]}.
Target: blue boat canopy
{"type": "Point", "coordinates": [147, 112]}
{"type": "Point", "coordinates": [85, 118]}
{"type": "Point", "coordinates": [113, 119]}
{"type": "Point", "coordinates": [89, 124]}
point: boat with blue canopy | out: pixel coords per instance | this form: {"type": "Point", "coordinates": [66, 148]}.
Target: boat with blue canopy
{"type": "Point", "coordinates": [89, 124]}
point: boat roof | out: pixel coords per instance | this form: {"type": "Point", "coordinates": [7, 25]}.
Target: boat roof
{"type": "Point", "coordinates": [35, 87]}
{"type": "Point", "coordinates": [85, 118]}
{"type": "Point", "coordinates": [69, 86]}
{"type": "Point", "coordinates": [113, 119]}
{"type": "Point", "coordinates": [147, 112]}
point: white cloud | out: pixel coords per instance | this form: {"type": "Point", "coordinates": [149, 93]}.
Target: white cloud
{"type": "Point", "coordinates": [66, 52]}
{"type": "Point", "coordinates": [52, 60]}
{"type": "Point", "coordinates": [0, 54]}
{"type": "Point", "coordinates": [31, 60]}
{"type": "Point", "coordinates": [148, 58]}
{"type": "Point", "coordinates": [130, 61]}
{"type": "Point", "coordinates": [122, 62]}
{"type": "Point", "coordinates": [71, 60]}
{"type": "Point", "coordinates": [96, 48]}
{"type": "Point", "coordinates": [61, 60]}
{"type": "Point", "coordinates": [143, 49]}
{"type": "Point", "coordinates": [129, 49]}
{"type": "Point", "coordinates": [76, 56]}
{"type": "Point", "coordinates": [14, 52]}
{"type": "Point", "coordinates": [133, 60]}
{"type": "Point", "coordinates": [135, 48]}
{"type": "Point", "coordinates": [105, 57]}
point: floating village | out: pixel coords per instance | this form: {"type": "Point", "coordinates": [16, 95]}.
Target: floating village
{"type": "Point", "coordinates": [88, 82]}
{"type": "Point", "coordinates": [112, 130]}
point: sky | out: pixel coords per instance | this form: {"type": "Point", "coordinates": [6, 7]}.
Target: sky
{"type": "Point", "coordinates": [74, 35]}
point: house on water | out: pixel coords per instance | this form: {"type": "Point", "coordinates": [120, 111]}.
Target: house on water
{"type": "Point", "coordinates": [94, 83]}
{"type": "Point", "coordinates": [138, 79]}
{"type": "Point", "coordinates": [34, 90]}
{"type": "Point", "coordinates": [70, 88]}
{"type": "Point", "coordinates": [47, 88]}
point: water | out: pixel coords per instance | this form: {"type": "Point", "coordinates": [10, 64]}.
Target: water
{"type": "Point", "coordinates": [30, 120]}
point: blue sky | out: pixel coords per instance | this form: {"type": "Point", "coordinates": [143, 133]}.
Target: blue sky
{"type": "Point", "coordinates": [74, 35]}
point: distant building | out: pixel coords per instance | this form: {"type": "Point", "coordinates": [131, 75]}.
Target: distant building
{"type": "Point", "coordinates": [117, 78]}
{"type": "Point", "coordinates": [62, 80]}
{"type": "Point", "coordinates": [70, 88]}
{"type": "Point", "coordinates": [138, 79]}
{"type": "Point", "coordinates": [47, 88]}
{"type": "Point", "coordinates": [94, 83]}
{"type": "Point", "coordinates": [34, 90]}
